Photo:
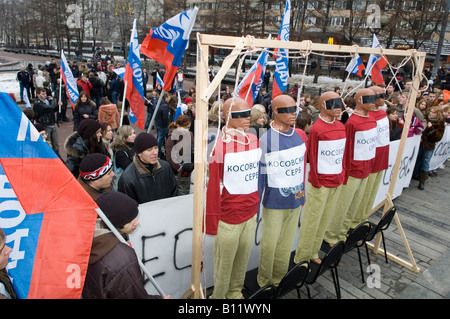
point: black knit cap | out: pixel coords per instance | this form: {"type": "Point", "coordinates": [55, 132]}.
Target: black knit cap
{"type": "Point", "coordinates": [94, 166]}
{"type": "Point", "coordinates": [118, 207]}
{"type": "Point", "coordinates": [88, 127]}
{"type": "Point", "coordinates": [144, 141]}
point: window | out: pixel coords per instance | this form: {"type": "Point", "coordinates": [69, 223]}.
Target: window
{"type": "Point", "coordinates": [310, 21]}
{"type": "Point", "coordinates": [337, 21]}
{"type": "Point", "coordinates": [312, 5]}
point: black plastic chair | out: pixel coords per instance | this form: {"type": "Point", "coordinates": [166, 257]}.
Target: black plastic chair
{"type": "Point", "coordinates": [294, 278]}
{"type": "Point", "coordinates": [266, 292]}
{"type": "Point", "coordinates": [251, 289]}
{"type": "Point", "coordinates": [329, 262]}
{"type": "Point", "coordinates": [356, 238]}
{"type": "Point", "coordinates": [382, 225]}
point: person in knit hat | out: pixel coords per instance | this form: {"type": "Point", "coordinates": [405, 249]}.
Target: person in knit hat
{"type": "Point", "coordinates": [96, 174]}
{"type": "Point", "coordinates": [86, 140]}
{"type": "Point", "coordinates": [113, 271]}
{"type": "Point", "coordinates": [147, 178]}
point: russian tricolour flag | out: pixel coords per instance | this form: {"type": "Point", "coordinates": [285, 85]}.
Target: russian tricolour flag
{"type": "Point", "coordinates": [282, 62]}
{"type": "Point", "coordinates": [356, 66]}
{"type": "Point", "coordinates": [47, 216]}
{"type": "Point", "coordinates": [251, 83]}
{"type": "Point", "coordinates": [167, 43]}
{"type": "Point", "coordinates": [69, 81]}
{"type": "Point", "coordinates": [159, 80]}
{"type": "Point", "coordinates": [376, 63]}
{"type": "Point", "coordinates": [134, 82]}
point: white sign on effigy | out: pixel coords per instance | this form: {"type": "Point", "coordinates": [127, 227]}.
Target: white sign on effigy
{"type": "Point", "coordinates": [163, 241]}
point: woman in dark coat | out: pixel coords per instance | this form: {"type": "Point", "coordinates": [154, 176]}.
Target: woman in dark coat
{"type": "Point", "coordinates": [84, 109]}
{"type": "Point", "coordinates": [432, 134]}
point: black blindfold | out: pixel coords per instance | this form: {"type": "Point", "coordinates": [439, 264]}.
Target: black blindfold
{"type": "Point", "coordinates": [368, 99]}
{"type": "Point", "coordinates": [240, 114]}
{"type": "Point", "coordinates": [334, 104]}
{"type": "Point", "coordinates": [287, 109]}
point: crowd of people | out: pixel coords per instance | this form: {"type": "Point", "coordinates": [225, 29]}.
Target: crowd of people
{"type": "Point", "coordinates": [121, 169]}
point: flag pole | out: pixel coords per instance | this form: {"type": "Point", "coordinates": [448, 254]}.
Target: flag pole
{"type": "Point", "coordinates": [122, 240]}
{"type": "Point", "coordinates": [123, 102]}
{"type": "Point", "coordinates": [155, 111]}
{"type": "Point", "coordinates": [60, 84]}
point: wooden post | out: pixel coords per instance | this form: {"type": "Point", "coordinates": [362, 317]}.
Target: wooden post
{"type": "Point", "coordinates": [200, 139]}
{"type": "Point", "coordinates": [419, 61]}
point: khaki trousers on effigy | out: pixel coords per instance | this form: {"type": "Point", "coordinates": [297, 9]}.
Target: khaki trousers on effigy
{"type": "Point", "coordinates": [317, 214]}
{"type": "Point", "coordinates": [346, 207]}
{"type": "Point", "coordinates": [277, 238]}
{"type": "Point", "coordinates": [363, 213]}
{"type": "Point", "coordinates": [232, 248]}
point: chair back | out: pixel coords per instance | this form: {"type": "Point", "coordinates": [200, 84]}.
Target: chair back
{"type": "Point", "coordinates": [383, 223]}
{"type": "Point", "coordinates": [358, 236]}
{"type": "Point", "coordinates": [293, 278]}
{"type": "Point", "coordinates": [332, 258]}
{"type": "Point", "coordinates": [266, 292]}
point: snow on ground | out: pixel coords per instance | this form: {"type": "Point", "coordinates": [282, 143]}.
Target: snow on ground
{"type": "Point", "coordinates": [9, 83]}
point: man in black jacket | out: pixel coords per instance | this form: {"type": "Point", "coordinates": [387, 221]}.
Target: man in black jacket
{"type": "Point", "coordinates": [162, 123]}
{"type": "Point", "coordinates": [45, 115]}
{"type": "Point", "coordinates": [148, 178]}
{"type": "Point", "coordinates": [24, 79]}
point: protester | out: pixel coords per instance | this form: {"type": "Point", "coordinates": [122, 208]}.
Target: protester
{"type": "Point", "coordinates": [148, 178]}
{"type": "Point", "coordinates": [84, 84]}
{"type": "Point", "coordinates": [151, 105]}
{"type": "Point", "coordinates": [84, 109]}
{"type": "Point", "coordinates": [180, 152]}
{"type": "Point", "coordinates": [395, 131]}
{"type": "Point", "coordinates": [113, 271]}
{"type": "Point", "coordinates": [123, 146]}
{"type": "Point", "coordinates": [24, 79]}
{"type": "Point", "coordinates": [62, 115]}
{"type": "Point", "coordinates": [258, 120]}
{"type": "Point", "coordinates": [432, 134]}
{"type": "Point", "coordinates": [180, 79]}
{"type": "Point", "coordinates": [96, 92]}
{"type": "Point", "coordinates": [96, 174]}
{"type": "Point", "coordinates": [107, 138]}
{"type": "Point", "coordinates": [45, 115]}
{"type": "Point", "coordinates": [6, 288]}
{"type": "Point", "coordinates": [304, 122]}
{"type": "Point", "coordinates": [424, 107]}
{"type": "Point", "coordinates": [446, 113]}
{"type": "Point", "coordinates": [85, 141]}
{"type": "Point", "coordinates": [109, 113]}
{"type": "Point", "coordinates": [162, 123]}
